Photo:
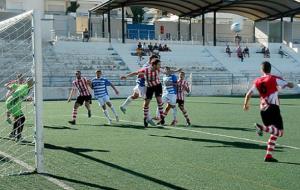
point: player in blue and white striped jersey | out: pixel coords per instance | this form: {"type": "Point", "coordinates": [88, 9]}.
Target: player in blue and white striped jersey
{"type": "Point", "coordinates": [99, 85]}
{"type": "Point", "coordinates": [169, 92]}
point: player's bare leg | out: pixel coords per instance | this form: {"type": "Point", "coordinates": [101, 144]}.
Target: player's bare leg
{"type": "Point", "coordinates": [109, 104]}
{"type": "Point", "coordinates": [129, 99]}
{"type": "Point", "coordinates": [185, 114]}
{"type": "Point", "coordinates": [74, 114]}
{"type": "Point", "coordinates": [88, 107]}
{"type": "Point", "coordinates": [161, 110]}
{"type": "Point", "coordinates": [106, 114]}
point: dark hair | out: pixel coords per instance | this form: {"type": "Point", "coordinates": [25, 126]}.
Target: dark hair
{"type": "Point", "coordinates": [153, 57]}
{"type": "Point", "coordinates": [266, 67]}
{"type": "Point", "coordinates": [155, 61]}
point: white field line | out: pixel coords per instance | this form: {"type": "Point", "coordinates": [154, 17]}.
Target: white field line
{"type": "Point", "coordinates": [30, 168]}
{"type": "Point", "coordinates": [203, 132]}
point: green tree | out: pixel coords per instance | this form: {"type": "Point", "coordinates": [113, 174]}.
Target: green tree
{"type": "Point", "coordinates": [138, 14]}
{"type": "Point", "coordinates": [73, 7]}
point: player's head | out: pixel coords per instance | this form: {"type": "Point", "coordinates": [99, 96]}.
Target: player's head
{"type": "Point", "coordinates": [20, 78]}
{"type": "Point", "coordinates": [155, 63]}
{"type": "Point", "coordinates": [78, 74]}
{"type": "Point", "coordinates": [29, 82]}
{"type": "Point", "coordinates": [266, 67]}
{"type": "Point", "coordinates": [181, 75]}
{"type": "Point", "coordinates": [168, 70]}
{"type": "Point", "coordinates": [152, 57]}
{"type": "Point", "coordinates": [98, 73]}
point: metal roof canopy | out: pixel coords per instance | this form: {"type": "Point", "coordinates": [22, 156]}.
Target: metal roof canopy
{"type": "Point", "coordinates": [253, 9]}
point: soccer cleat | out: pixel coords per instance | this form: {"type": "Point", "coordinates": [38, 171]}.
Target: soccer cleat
{"type": "Point", "coordinates": [11, 135]}
{"type": "Point", "coordinates": [123, 109]}
{"type": "Point", "coordinates": [109, 122]}
{"type": "Point", "coordinates": [89, 113]}
{"type": "Point", "coordinates": [73, 122]}
{"type": "Point", "coordinates": [188, 122]}
{"type": "Point", "coordinates": [270, 159]}
{"type": "Point", "coordinates": [174, 122]}
{"type": "Point", "coordinates": [145, 122]}
{"type": "Point", "coordinates": [162, 121]}
{"type": "Point", "coordinates": [117, 119]}
{"type": "Point", "coordinates": [151, 122]}
{"type": "Point", "coordinates": [258, 128]}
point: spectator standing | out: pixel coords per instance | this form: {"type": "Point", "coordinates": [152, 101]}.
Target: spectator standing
{"type": "Point", "coordinates": [228, 51]}
{"type": "Point", "coordinates": [246, 51]}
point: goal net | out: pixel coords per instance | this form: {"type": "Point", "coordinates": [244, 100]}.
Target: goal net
{"type": "Point", "coordinates": [18, 95]}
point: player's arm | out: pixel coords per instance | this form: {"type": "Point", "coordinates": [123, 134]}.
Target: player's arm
{"type": "Point", "coordinates": [130, 75]}
{"type": "Point", "coordinates": [115, 89]}
{"type": "Point", "coordinates": [71, 94]}
{"type": "Point", "coordinates": [247, 98]}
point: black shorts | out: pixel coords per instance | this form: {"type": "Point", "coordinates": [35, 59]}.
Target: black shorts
{"type": "Point", "coordinates": [81, 99]}
{"type": "Point", "coordinates": [180, 102]}
{"type": "Point", "coordinates": [157, 90]}
{"type": "Point", "coordinates": [271, 116]}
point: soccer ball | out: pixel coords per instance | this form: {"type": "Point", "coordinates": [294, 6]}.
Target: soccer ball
{"type": "Point", "coordinates": [236, 27]}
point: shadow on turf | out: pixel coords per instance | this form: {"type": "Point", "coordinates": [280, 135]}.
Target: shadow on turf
{"type": "Point", "coordinates": [59, 127]}
{"type": "Point", "coordinates": [80, 182]}
{"type": "Point", "coordinates": [79, 152]}
{"type": "Point", "coordinates": [235, 144]}
{"type": "Point", "coordinates": [127, 126]}
{"type": "Point", "coordinates": [291, 163]}
{"type": "Point", "coordinates": [224, 128]}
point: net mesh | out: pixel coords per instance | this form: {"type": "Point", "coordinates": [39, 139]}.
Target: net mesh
{"type": "Point", "coordinates": [16, 147]}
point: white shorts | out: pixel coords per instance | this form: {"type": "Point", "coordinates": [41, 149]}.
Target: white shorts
{"type": "Point", "coordinates": [141, 90]}
{"type": "Point", "coordinates": [169, 98]}
{"type": "Point", "coordinates": [103, 100]}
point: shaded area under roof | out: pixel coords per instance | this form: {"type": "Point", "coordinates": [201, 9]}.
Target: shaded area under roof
{"type": "Point", "coordinates": [253, 9]}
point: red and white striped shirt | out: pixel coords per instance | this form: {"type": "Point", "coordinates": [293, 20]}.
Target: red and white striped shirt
{"type": "Point", "coordinates": [82, 86]}
{"type": "Point", "coordinates": [267, 89]}
{"type": "Point", "coordinates": [151, 76]}
{"type": "Point", "coordinates": [182, 88]}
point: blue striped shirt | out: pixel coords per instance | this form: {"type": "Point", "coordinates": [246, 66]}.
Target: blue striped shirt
{"type": "Point", "coordinates": [99, 85]}
{"type": "Point", "coordinates": [169, 83]}
{"type": "Point", "coordinates": [140, 81]}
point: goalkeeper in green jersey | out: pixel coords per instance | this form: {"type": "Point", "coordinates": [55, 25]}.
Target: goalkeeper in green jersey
{"type": "Point", "coordinates": [14, 106]}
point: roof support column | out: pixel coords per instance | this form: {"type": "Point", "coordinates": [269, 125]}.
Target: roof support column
{"type": "Point", "coordinates": [178, 29]}
{"type": "Point", "coordinates": [123, 25]}
{"type": "Point", "coordinates": [103, 26]}
{"type": "Point", "coordinates": [203, 29]}
{"type": "Point", "coordinates": [215, 28]}
{"type": "Point", "coordinates": [90, 24]}
{"type": "Point", "coordinates": [109, 27]}
{"type": "Point", "coordinates": [281, 29]}
{"type": "Point", "coordinates": [292, 18]}
{"type": "Point", "coordinates": [190, 30]}
{"type": "Point", "coordinates": [254, 26]}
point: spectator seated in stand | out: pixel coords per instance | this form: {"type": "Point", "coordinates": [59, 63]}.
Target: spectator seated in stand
{"type": "Point", "coordinates": [155, 47]}
{"type": "Point", "coordinates": [150, 47]}
{"type": "Point", "coordinates": [166, 48]}
{"type": "Point", "coordinates": [228, 51]}
{"type": "Point", "coordinates": [240, 53]}
{"type": "Point", "coordinates": [246, 51]}
{"type": "Point", "coordinates": [267, 53]}
{"type": "Point", "coordinates": [281, 52]}
{"type": "Point", "coordinates": [85, 35]}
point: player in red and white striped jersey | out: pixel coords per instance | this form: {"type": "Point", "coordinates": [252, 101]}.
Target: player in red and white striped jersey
{"type": "Point", "coordinates": [153, 86]}
{"type": "Point", "coordinates": [183, 87]}
{"type": "Point", "coordinates": [80, 84]}
{"type": "Point", "coordinates": [267, 87]}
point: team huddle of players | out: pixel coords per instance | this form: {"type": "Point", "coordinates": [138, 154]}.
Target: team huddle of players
{"type": "Point", "coordinates": [170, 91]}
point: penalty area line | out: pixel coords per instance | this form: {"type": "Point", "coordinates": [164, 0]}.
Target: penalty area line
{"type": "Point", "coordinates": [207, 133]}
{"type": "Point", "coordinates": [32, 169]}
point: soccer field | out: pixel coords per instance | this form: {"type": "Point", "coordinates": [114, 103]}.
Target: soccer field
{"type": "Point", "coordinates": [219, 151]}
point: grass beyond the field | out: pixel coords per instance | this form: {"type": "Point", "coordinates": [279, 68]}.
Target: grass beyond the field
{"type": "Point", "coordinates": [219, 151]}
